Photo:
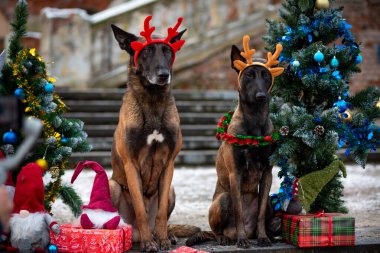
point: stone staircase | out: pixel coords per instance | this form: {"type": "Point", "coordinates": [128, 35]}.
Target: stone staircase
{"type": "Point", "coordinates": [199, 112]}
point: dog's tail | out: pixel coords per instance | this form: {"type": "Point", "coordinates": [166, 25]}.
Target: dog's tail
{"type": "Point", "coordinates": [201, 236]}
{"type": "Point", "coordinates": [179, 230]}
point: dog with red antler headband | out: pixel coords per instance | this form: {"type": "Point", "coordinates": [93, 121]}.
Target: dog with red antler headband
{"type": "Point", "coordinates": [147, 138]}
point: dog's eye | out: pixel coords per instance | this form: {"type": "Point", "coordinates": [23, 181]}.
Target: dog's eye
{"type": "Point", "coordinates": [264, 74]}
{"type": "Point", "coordinates": [165, 50]}
{"type": "Point", "coordinates": [251, 75]}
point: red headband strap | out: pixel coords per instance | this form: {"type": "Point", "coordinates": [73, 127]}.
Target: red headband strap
{"type": "Point", "coordinates": [147, 34]}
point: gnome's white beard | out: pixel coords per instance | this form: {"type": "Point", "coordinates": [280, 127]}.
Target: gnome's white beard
{"type": "Point", "coordinates": [99, 217]}
{"type": "Point", "coordinates": [29, 232]}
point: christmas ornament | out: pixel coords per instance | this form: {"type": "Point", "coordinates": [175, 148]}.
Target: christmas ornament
{"type": "Point", "coordinates": [28, 109]}
{"type": "Point", "coordinates": [19, 93]}
{"type": "Point", "coordinates": [334, 62]}
{"type": "Point", "coordinates": [53, 248]}
{"type": "Point", "coordinates": [346, 116]}
{"type": "Point", "coordinates": [320, 130]}
{"type": "Point", "coordinates": [318, 56]}
{"type": "Point", "coordinates": [49, 87]}
{"type": "Point", "coordinates": [341, 104]}
{"type": "Point", "coordinates": [284, 130]}
{"type": "Point", "coordinates": [322, 4]}
{"type": "Point", "coordinates": [242, 140]}
{"type": "Point", "coordinates": [358, 59]}
{"type": "Point", "coordinates": [378, 104]}
{"type": "Point", "coordinates": [10, 137]}
{"type": "Point", "coordinates": [64, 140]}
{"type": "Point", "coordinates": [43, 164]}
{"type": "Point", "coordinates": [147, 34]}
{"type": "Point", "coordinates": [296, 64]}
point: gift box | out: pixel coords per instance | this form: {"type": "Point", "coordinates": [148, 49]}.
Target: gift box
{"type": "Point", "coordinates": [75, 239]}
{"type": "Point", "coordinates": [326, 229]}
{"type": "Point", "coordinates": [185, 249]}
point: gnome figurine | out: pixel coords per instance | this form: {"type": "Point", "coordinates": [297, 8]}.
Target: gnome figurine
{"type": "Point", "coordinates": [30, 223]}
{"type": "Point", "coordinates": [99, 213]}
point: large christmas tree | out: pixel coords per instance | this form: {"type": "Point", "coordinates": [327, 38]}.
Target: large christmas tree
{"type": "Point", "coordinates": [24, 75]}
{"type": "Point", "coordinates": [312, 107]}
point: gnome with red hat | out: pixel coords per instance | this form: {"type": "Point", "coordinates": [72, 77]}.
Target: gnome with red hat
{"type": "Point", "coordinates": [99, 213]}
{"type": "Point", "coordinates": [30, 223]}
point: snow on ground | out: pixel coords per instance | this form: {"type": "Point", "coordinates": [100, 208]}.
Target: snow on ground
{"type": "Point", "coordinates": [195, 186]}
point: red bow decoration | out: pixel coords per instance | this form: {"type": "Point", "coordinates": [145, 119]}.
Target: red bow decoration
{"type": "Point", "coordinates": [147, 34]}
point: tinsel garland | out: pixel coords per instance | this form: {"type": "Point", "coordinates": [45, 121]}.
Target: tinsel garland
{"type": "Point", "coordinates": [28, 58]}
{"type": "Point", "coordinates": [242, 140]}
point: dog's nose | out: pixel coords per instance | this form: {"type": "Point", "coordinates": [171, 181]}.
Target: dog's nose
{"type": "Point", "coordinates": [163, 74]}
{"type": "Point", "coordinates": [261, 96]}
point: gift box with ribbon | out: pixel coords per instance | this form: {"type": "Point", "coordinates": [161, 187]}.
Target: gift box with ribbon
{"type": "Point", "coordinates": [75, 239]}
{"type": "Point", "coordinates": [317, 230]}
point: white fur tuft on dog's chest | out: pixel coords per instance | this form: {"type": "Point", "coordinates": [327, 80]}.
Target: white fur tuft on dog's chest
{"type": "Point", "coordinates": [155, 136]}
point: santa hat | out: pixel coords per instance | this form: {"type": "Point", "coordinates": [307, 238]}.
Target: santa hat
{"type": "Point", "coordinates": [29, 194]}
{"type": "Point", "coordinates": [100, 193]}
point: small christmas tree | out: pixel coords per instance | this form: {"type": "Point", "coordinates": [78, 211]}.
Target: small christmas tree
{"type": "Point", "coordinates": [24, 76]}
{"type": "Point", "coordinates": [311, 105]}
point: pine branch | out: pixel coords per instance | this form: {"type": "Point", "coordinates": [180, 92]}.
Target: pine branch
{"type": "Point", "coordinates": [19, 29]}
{"type": "Point", "coordinates": [71, 198]}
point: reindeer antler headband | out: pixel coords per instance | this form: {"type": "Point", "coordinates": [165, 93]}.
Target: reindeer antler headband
{"type": "Point", "coordinates": [147, 33]}
{"type": "Point", "coordinates": [248, 53]}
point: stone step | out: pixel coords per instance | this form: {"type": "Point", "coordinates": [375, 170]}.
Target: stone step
{"type": "Point", "coordinates": [188, 143]}
{"type": "Point", "coordinates": [117, 94]}
{"type": "Point", "coordinates": [185, 157]}
{"type": "Point", "coordinates": [182, 106]}
{"type": "Point", "coordinates": [187, 130]}
{"type": "Point", "coordinates": [100, 118]}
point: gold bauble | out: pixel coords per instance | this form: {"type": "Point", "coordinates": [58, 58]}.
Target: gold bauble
{"type": "Point", "coordinates": [348, 118]}
{"type": "Point", "coordinates": [322, 4]}
{"type": "Point", "coordinates": [378, 104]}
{"type": "Point", "coordinates": [28, 109]}
{"type": "Point", "coordinates": [43, 164]}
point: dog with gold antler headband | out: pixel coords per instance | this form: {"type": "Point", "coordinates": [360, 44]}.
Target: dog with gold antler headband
{"type": "Point", "coordinates": [239, 208]}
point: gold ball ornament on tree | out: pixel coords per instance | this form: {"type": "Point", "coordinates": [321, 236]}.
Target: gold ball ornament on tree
{"type": "Point", "coordinates": [347, 117]}
{"type": "Point", "coordinates": [378, 104]}
{"type": "Point", "coordinates": [322, 4]}
{"type": "Point", "coordinates": [43, 164]}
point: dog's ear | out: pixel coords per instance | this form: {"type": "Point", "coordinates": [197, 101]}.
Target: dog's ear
{"type": "Point", "coordinates": [235, 55]}
{"type": "Point", "coordinates": [124, 39]}
{"type": "Point", "coordinates": [178, 36]}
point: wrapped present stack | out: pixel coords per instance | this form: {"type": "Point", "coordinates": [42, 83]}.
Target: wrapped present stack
{"type": "Point", "coordinates": [324, 229]}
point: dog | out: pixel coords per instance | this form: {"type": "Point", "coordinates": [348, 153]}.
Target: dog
{"type": "Point", "coordinates": [239, 205]}
{"type": "Point", "coordinates": [147, 138]}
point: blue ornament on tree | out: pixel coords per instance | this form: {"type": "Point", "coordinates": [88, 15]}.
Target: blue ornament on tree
{"type": "Point", "coordinates": [64, 140]}
{"type": "Point", "coordinates": [19, 93]}
{"type": "Point", "coordinates": [334, 62]}
{"type": "Point", "coordinates": [9, 137]}
{"type": "Point", "coordinates": [318, 56]}
{"type": "Point", "coordinates": [296, 64]}
{"type": "Point", "coordinates": [49, 87]}
{"type": "Point", "coordinates": [53, 248]}
{"type": "Point", "coordinates": [358, 59]}
{"type": "Point", "coordinates": [341, 104]}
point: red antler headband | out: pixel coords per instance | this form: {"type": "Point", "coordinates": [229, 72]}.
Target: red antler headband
{"type": "Point", "coordinates": [147, 33]}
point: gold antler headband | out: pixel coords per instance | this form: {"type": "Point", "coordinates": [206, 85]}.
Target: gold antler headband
{"type": "Point", "coordinates": [271, 60]}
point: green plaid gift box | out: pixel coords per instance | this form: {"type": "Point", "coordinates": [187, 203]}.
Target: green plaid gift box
{"type": "Point", "coordinates": [326, 229]}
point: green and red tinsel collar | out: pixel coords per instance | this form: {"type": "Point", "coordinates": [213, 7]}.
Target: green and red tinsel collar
{"type": "Point", "coordinates": [242, 140]}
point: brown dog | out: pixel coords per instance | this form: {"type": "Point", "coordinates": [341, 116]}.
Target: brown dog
{"type": "Point", "coordinates": [147, 140]}
{"type": "Point", "coordinates": [239, 206]}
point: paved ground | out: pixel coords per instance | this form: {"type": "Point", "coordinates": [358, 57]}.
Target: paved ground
{"type": "Point", "coordinates": [194, 189]}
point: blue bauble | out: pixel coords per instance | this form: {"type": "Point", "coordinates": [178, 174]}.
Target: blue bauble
{"type": "Point", "coordinates": [334, 62]}
{"type": "Point", "coordinates": [358, 59]}
{"type": "Point", "coordinates": [49, 87]}
{"type": "Point", "coordinates": [19, 93]}
{"type": "Point", "coordinates": [318, 56]}
{"type": "Point", "coordinates": [296, 64]}
{"type": "Point", "coordinates": [9, 137]}
{"type": "Point", "coordinates": [53, 248]}
{"type": "Point", "coordinates": [64, 140]}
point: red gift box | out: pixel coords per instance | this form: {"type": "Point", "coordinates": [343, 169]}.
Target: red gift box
{"type": "Point", "coordinates": [325, 229]}
{"type": "Point", "coordinates": [185, 249]}
{"type": "Point", "coordinates": [74, 239]}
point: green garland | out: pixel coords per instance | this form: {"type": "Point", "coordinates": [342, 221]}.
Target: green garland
{"type": "Point", "coordinates": [242, 140]}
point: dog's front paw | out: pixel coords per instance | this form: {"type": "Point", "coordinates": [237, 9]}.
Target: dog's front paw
{"type": "Point", "coordinates": [264, 242]}
{"type": "Point", "coordinates": [149, 246]}
{"type": "Point", "coordinates": [165, 244]}
{"type": "Point", "coordinates": [243, 243]}
{"type": "Point", "coordinates": [223, 240]}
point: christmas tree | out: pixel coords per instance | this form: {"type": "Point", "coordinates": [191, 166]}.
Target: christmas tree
{"type": "Point", "coordinates": [24, 75]}
{"type": "Point", "coordinates": [312, 107]}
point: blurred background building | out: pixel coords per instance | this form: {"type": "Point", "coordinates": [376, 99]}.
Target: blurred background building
{"type": "Point", "coordinates": [75, 38]}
